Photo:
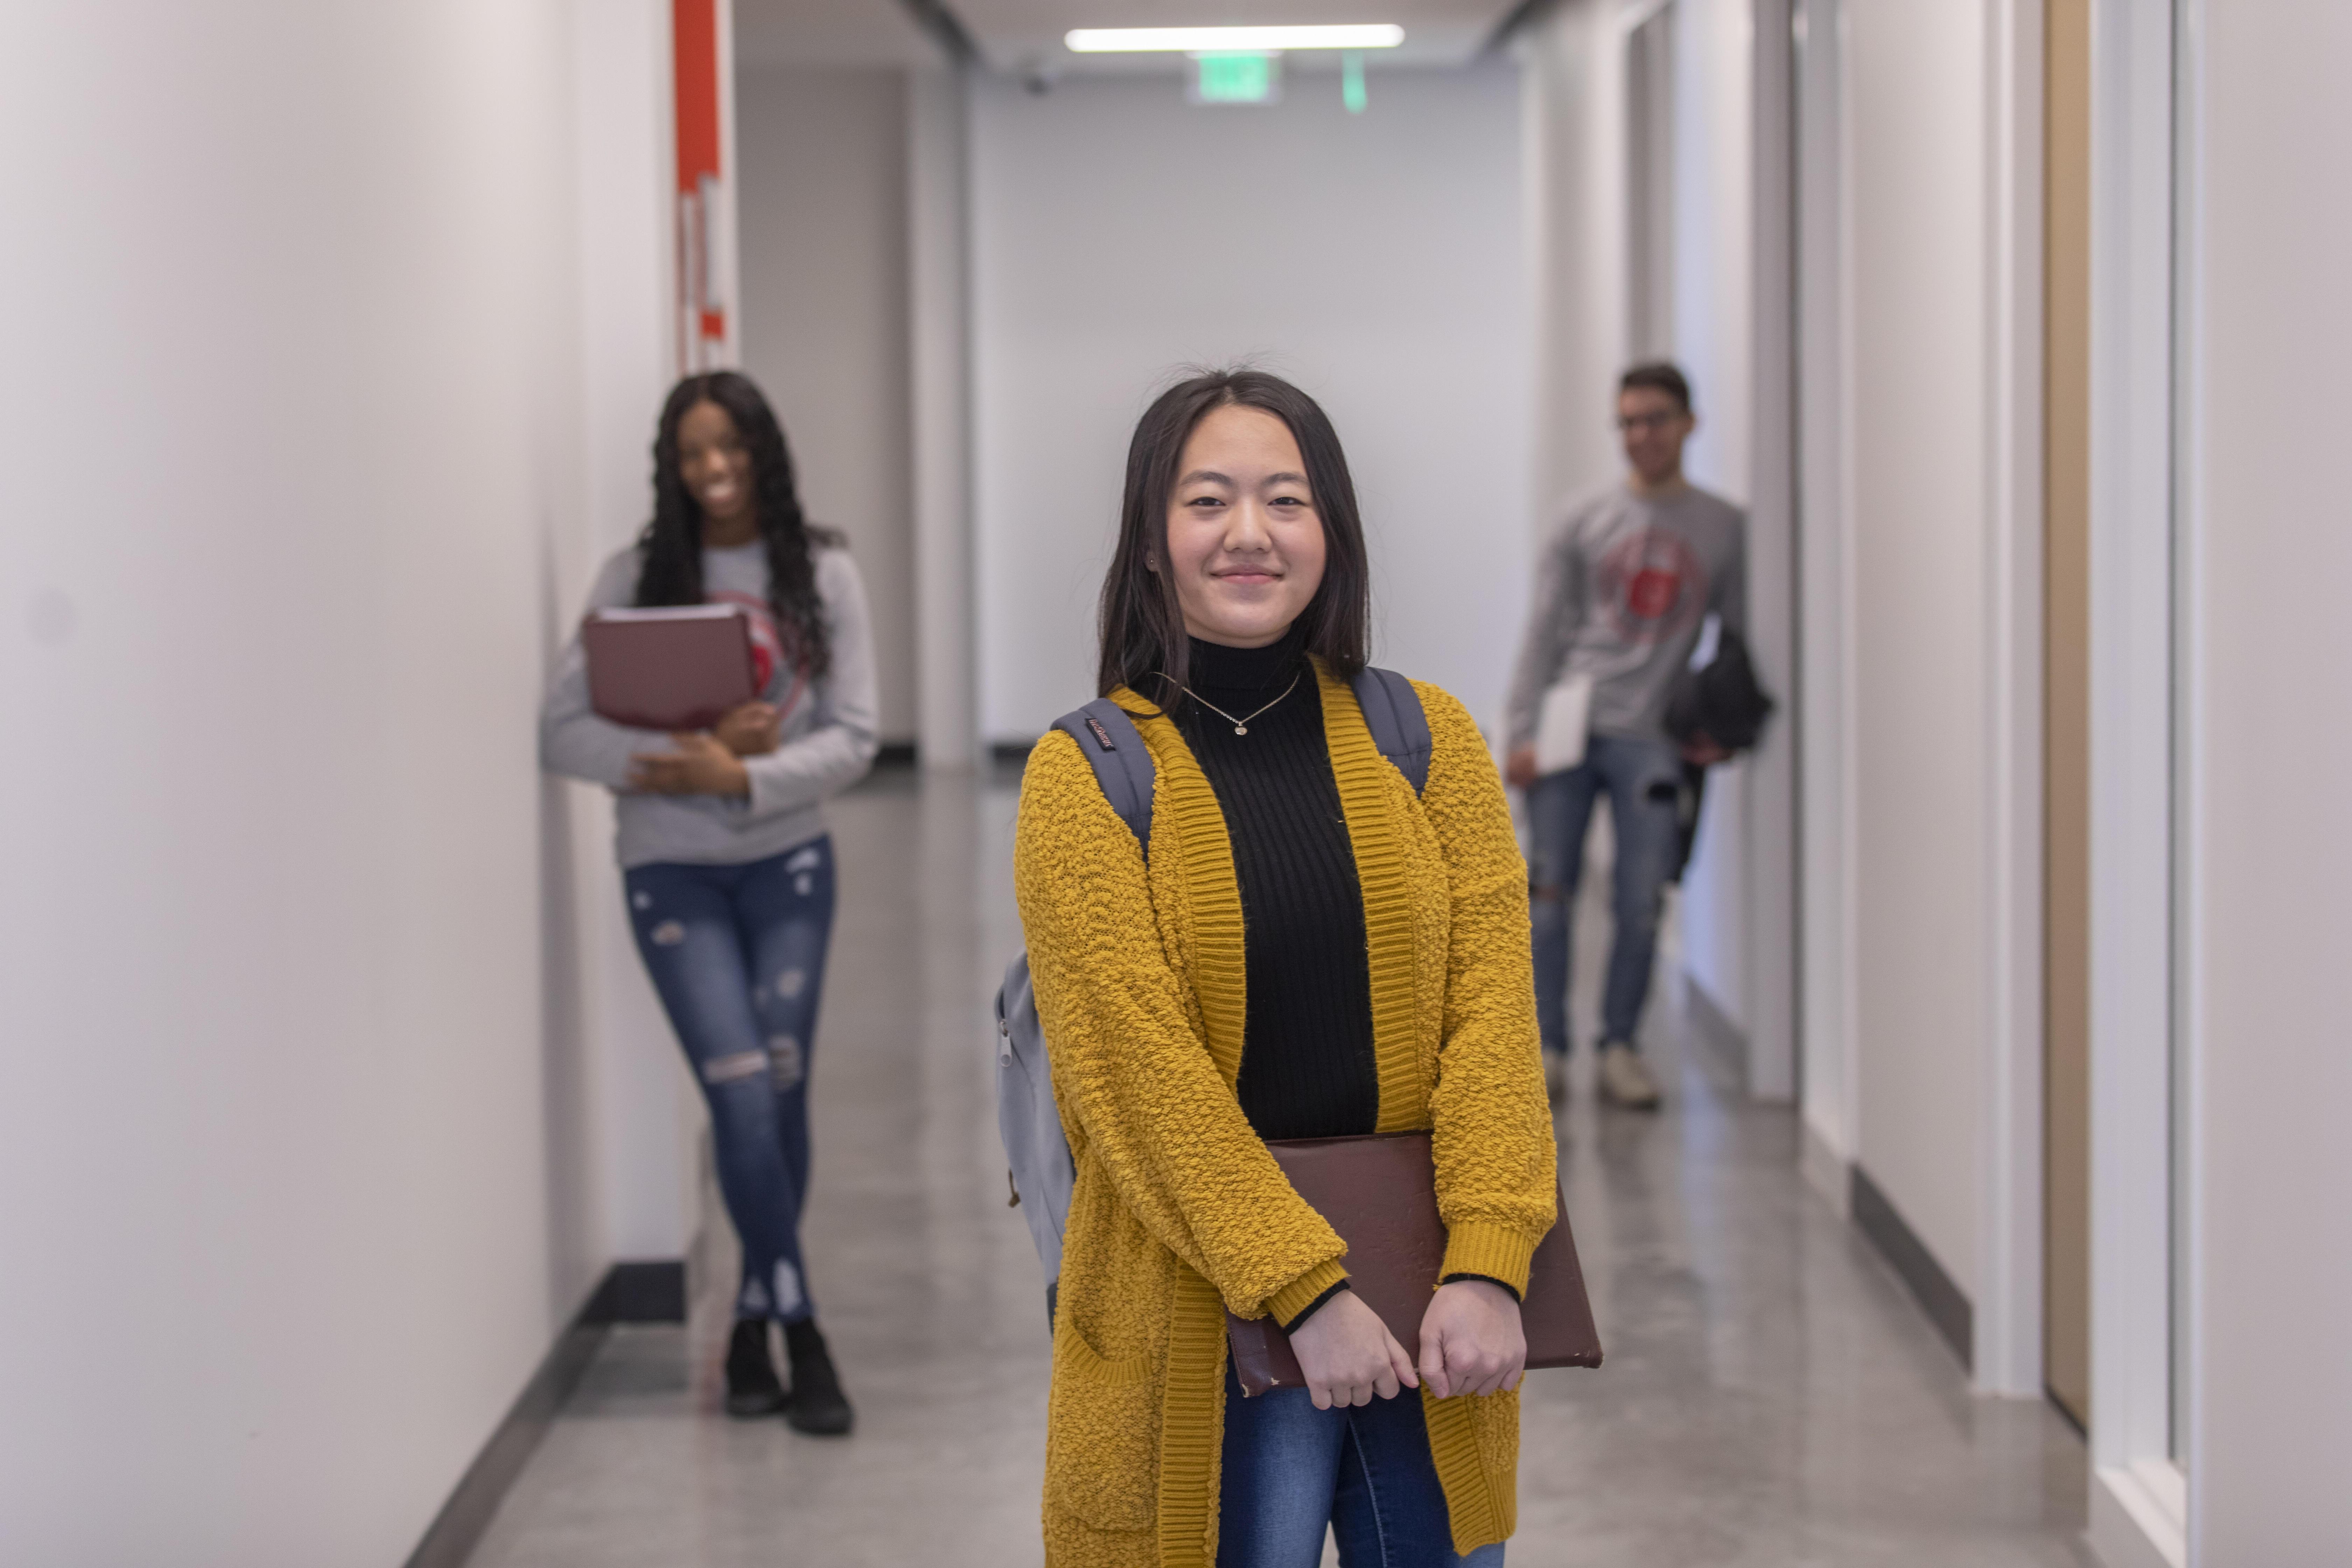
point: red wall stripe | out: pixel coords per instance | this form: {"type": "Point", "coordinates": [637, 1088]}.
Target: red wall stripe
{"type": "Point", "coordinates": [696, 54]}
{"type": "Point", "coordinates": [695, 49]}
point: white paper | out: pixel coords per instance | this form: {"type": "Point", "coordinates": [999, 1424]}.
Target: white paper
{"type": "Point", "coordinates": [1563, 723]}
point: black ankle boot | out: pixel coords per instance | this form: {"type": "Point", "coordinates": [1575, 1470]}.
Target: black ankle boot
{"type": "Point", "coordinates": [817, 1406]}
{"type": "Point", "coordinates": [751, 1385]}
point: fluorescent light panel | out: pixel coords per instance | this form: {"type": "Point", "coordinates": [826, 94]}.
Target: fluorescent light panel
{"type": "Point", "coordinates": [1220, 40]}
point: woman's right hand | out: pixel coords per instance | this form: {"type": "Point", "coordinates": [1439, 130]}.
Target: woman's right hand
{"type": "Point", "coordinates": [1349, 1354]}
{"type": "Point", "coordinates": [1519, 767]}
{"type": "Point", "coordinates": [753, 729]}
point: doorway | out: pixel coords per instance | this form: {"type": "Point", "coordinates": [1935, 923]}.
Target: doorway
{"type": "Point", "coordinates": [2066, 718]}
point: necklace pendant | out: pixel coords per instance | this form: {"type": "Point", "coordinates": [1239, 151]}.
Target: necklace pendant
{"type": "Point", "coordinates": [1240, 729]}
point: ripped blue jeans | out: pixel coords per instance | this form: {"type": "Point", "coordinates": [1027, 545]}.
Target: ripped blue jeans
{"type": "Point", "coordinates": [1643, 779]}
{"type": "Point", "coordinates": [737, 954]}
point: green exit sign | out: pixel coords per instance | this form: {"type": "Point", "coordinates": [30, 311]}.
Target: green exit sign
{"type": "Point", "coordinates": [1236, 78]}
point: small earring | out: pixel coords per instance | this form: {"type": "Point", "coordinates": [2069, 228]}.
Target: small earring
{"type": "Point", "coordinates": [1151, 562]}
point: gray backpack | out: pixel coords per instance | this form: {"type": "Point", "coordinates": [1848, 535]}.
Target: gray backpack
{"type": "Point", "coordinates": [1036, 1151]}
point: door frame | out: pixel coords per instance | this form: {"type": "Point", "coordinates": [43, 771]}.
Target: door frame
{"type": "Point", "coordinates": [2141, 190]}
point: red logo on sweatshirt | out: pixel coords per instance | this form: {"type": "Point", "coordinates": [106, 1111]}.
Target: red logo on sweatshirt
{"type": "Point", "coordinates": [767, 647]}
{"type": "Point", "coordinates": [1654, 583]}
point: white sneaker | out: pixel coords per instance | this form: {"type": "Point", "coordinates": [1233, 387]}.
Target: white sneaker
{"type": "Point", "coordinates": [1555, 1076]}
{"type": "Point", "coordinates": [1625, 1082]}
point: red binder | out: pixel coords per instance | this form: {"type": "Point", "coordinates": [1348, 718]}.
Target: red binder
{"type": "Point", "coordinates": [1380, 1193]}
{"type": "Point", "coordinates": [673, 669]}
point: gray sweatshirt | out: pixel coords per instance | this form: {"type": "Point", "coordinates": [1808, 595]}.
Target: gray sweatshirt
{"type": "Point", "coordinates": [829, 725]}
{"type": "Point", "coordinates": [1621, 592]}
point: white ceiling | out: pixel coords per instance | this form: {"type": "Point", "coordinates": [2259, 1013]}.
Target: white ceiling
{"type": "Point", "coordinates": [1026, 35]}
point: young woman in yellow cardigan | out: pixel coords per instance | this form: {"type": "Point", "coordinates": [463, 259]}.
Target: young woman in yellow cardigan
{"type": "Point", "coordinates": [1309, 950]}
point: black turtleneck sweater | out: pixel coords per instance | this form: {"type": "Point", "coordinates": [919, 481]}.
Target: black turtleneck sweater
{"type": "Point", "coordinates": [1307, 1068]}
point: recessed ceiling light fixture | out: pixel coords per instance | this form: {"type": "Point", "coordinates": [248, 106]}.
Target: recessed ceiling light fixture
{"type": "Point", "coordinates": [1223, 40]}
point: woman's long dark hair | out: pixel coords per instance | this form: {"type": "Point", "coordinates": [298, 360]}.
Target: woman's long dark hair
{"type": "Point", "coordinates": [673, 540]}
{"type": "Point", "coordinates": [1142, 625]}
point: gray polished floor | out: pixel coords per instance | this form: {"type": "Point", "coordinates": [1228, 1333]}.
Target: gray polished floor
{"type": "Point", "coordinates": [1771, 1396]}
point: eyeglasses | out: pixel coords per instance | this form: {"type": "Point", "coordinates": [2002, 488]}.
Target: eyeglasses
{"type": "Point", "coordinates": [1632, 422]}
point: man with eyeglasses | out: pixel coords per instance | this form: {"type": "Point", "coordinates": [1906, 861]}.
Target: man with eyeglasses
{"type": "Point", "coordinates": [1622, 592]}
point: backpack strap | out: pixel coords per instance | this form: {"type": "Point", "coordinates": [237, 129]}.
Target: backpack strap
{"type": "Point", "coordinates": [1399, 729]}
{"type": "Point", "coordinates": [1114, 748]}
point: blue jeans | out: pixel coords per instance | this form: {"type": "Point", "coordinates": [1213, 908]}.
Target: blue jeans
{"type": "Point", "coordinates": [1642, 779]}
{"type": "Point", "coordinates": [1291, 1471]}
{"type": "Point", "coordinates": [737, 954]}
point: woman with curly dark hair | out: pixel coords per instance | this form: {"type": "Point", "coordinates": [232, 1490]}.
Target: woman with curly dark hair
{"type": "Point", "coordinates": [723, 849]}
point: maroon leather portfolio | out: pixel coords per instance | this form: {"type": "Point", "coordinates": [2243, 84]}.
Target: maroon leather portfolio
{"type": "Point", "coordinates": [1380, 1195]}
{"type": "Point", "coordinates": [673, 669]}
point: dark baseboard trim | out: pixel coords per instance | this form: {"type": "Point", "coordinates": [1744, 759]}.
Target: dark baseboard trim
{"type": "Point", "coordinates": [1946, 1304]}
{"type": "Point", "coordinates": [1013, 752]}
{"type": "Point", "coordinates": [895, 755]}
{"type": "Point", "coordinates": [458, 1528]}
{"type": "Point", "coordinates": [629, 1293]}
{"type": "Point", "coordinates": [650, 1292]}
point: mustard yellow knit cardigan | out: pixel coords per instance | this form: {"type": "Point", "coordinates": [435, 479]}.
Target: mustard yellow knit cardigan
{"type": "Point", "coordinates": [1179, 1211]}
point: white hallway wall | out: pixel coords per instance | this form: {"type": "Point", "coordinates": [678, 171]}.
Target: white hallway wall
{"type": "Point", "coordinates": [1573, 136]}
{"type": "Point", "coordinates": [1713, 333]}
{"type": "Point", "coordinates": [2273, 1387]}
{"type": "Point", "coordinates": [1931, 510]}
{"type": "Point", "coordinates": [1922, 660]}
{"type": "Point", "coordinates": [647, 1112]}
{"type": "Point", "coordinates": [1119, 235]}
{"type": "Point", "coordinates": [301, 1120]}
{"type": "Point", "coordinates": [823, 241]}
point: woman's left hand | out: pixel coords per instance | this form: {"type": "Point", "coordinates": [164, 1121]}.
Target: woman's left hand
{"type": "Point", "coordinates": [700, 765]}
{"type": "Point", "coordinates": [1471, 1340]}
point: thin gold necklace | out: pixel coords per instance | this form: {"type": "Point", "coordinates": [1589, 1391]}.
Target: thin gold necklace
{"type": "Point", "coordinates": [1241, 726]}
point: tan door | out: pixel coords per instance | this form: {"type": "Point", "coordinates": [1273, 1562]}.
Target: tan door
{"type": "Point", "coordinates": [2067, 1198]}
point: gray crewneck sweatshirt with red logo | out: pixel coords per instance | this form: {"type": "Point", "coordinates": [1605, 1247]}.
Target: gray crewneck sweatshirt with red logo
{"type": "Point", "coordinates": [1622, 590]}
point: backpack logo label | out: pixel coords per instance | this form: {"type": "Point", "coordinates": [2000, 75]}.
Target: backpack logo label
{"type": "Point", "coordinates": [1102, 736]}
